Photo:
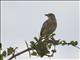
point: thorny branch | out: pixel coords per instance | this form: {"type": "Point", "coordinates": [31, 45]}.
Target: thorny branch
{"type": "Point", "coordinates": [42, 47]}
{"type": "Point", "coordinates": [20, 53]}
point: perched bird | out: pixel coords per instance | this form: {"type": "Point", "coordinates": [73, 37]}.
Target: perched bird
{"type": "Point", "coordinates": [49, 26]}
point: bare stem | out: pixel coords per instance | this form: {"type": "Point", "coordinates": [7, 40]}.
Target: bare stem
{"type": "Point", "coordinates": [28, 47]}
{"type": "Point", "coordinates": [20, 53]}
{"type": "Point", "coordinates": [77, 47]}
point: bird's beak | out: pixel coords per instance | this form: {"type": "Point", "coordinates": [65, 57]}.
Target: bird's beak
{"type": "Point", "coordinates": [46, 14]}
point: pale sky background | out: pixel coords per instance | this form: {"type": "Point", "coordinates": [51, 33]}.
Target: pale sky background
{"type": "Point", "coordinates": [22, 21]}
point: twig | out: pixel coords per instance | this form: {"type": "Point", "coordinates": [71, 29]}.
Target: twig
{"type": "Point", "coordinates": [20, 53]}
{"type": "Point", "coordinates": [77, 47]}
{"type": "Point", "coordinates": [28, 47]}
{"type": "Point", "coordinates": [14, 52]}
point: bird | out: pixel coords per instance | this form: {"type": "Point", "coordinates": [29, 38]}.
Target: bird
{"type": "Point", "coordinates": [49, 26]}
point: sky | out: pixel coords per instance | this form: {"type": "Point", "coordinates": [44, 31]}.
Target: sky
{"type": "Point", "coordinates": [22, 21]}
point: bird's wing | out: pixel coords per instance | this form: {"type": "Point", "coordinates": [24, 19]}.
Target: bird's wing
{"type": "Point", "coordinates": [43, 27]}
{"type": "Point", "coordinates": [48, 27]}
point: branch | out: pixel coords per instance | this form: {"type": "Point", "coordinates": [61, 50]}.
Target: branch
{"type": "Point", "coordinates": [42, 47]}
{"type": "Point", "coordinates": [28, 47]}
{"type": "Point", "coordinates": [20, 53]}
{"type": "Point", "coordinates": [77, 47]}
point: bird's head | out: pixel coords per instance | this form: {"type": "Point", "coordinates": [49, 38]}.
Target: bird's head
{"type": "Point", "coordinates": [50, 15]}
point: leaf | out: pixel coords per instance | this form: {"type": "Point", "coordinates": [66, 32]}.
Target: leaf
{"type": "Point", "coordinates": [49, 46]}
{"type": "Point", "coordinates": [53, 51]}
{"type": "Point", "coordinates": [53, 34]}
{"type": "Point", "coordinates": [34, 53]}
{"type": "Point", "coordinates": [42, 49]}
{"type": "Point", "coordinates": [4, 53]}
{"type": "Point", "coordinates": [10, 50]}
{"type": "Point", "coordinates": [36, 39]}
{"type": "Point", "coordinates": [74, 43]}
{"type": "Point", "coordinates": [1, 57]}
{"type": "Point", "coordinates": [63, 42]}
{"type": "Point", "coordinates": [33, 44]}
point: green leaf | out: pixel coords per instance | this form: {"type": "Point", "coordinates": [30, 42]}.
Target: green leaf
{"type": "Point", "coordinates": [33, 44]}
{"type": "Point", "coordinates": [4, 53]}
{"type": "Point", "coordinates": [52, 35]}
{"type": "Point", "coordinates": [42, 49]}
{"type": "Point", "coordinates": [60, 42]}
{"type": "Point", "coordinates": [64, 43]}
{"type": "Point", "coordinates": [34, 53]}
{"type": "Point", "coordinates": [49, 46]}
{"type": "Point", "coordinates": [53, 51]}
{"type": "Point", "coordinates": [10, 50]}
{"type": "Point", "coordinates": [1, 57]}
{"type": "Point", "coordinates": [36, 39]}
{"type": "Point", "coordinates": [74, 43]}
